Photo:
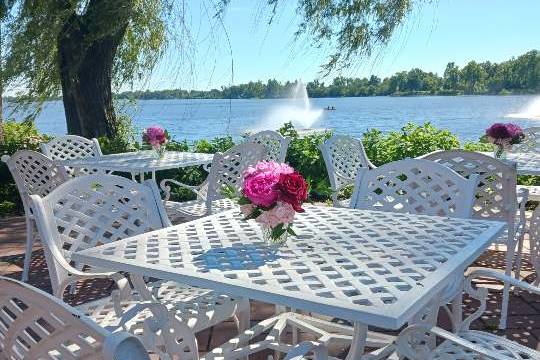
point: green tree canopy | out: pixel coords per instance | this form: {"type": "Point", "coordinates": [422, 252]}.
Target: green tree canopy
{"type": "Point", "coordinates": [82, 48]}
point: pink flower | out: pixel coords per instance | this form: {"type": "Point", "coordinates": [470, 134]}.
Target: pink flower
{"type": "Point", "coordinates": [155, 136]}
{"type": "Point", "coordinates": [282, 213]}
{"type": "Point", "coordinates": [247, 209]}
{"type": "Point", "coordinates": [269, 166]}
{"type": "Point", "coordinates": [260, 188]}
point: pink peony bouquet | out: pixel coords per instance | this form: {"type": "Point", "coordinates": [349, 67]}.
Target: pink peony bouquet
{"type": "Point", "coordinates": [156, 137]}
{"type": "Point", "coordinates": [503, 136]}
{"type": "Point", "coordinates": [272, 193]}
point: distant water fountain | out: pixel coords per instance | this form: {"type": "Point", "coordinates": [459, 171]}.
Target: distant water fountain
{"type": "Point", "coordinates": [531, 111]}
{"type": "Point", "coordinates": [297, 110]}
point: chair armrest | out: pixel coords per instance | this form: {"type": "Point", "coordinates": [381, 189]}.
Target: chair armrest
{"type": "Point", "coordinates": [413, 342]}
{"type": "Point", "coordinates": [167, 188]}
{"type": "Point", "coordinates": [122, 293]}
{"type": "Point", "coordinates": [497, 275]}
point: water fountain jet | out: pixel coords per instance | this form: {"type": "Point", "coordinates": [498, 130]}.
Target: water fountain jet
{"type": "Point", "coordinates": [297, 110]}
{"type": "Point", "coordinates": [531, 111]}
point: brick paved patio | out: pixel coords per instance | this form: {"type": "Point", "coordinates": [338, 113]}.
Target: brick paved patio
{"type": "Point", "coordinates": [523, 319]}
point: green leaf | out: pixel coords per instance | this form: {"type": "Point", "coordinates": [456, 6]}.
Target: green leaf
{"type": "Point", "coordinates": [243, 201]}
{"type": "Point", "coordinates": [277, 231]}
{"type": "Point", "coordinates": [229, 192]}
{"type": "Point", "coordinates": [291, 231]}
{"type": "Point", "coordinates": [254, 214]}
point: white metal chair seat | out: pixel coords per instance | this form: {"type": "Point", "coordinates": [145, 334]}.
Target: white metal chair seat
{"type": "Point", "coordinates": [179, 212]}
{"type": "Point", "coordinates": [496, 344]}
{"type": "Point", "coordinates": [198, 308]}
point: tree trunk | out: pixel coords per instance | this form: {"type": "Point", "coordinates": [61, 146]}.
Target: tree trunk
{"type": "Point", "coordinates": [87, 47]}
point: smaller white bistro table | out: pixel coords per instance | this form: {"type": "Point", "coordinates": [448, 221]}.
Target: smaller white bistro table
{"type": "Point", "coordinates": [527, 163]}
{"type": "Point", "coordinates": [369, 267]}
{"type": "Point", "coordinates": [139, 162]}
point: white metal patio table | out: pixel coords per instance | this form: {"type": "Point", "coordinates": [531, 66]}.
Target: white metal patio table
{"type": "Point", "coordinates": [527, 163]}
{"type": "Point", "coordinates": [140, 162]}
{"type": "Point", "coordinates": [369, 267]}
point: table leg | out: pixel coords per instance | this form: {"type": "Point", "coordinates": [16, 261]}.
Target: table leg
{"type": "Point", "coordinates": [141, 177]}
{"type": "Point", "coordinates": [154, 176]}
{"type": "Point", "coordinates": [358, 343]}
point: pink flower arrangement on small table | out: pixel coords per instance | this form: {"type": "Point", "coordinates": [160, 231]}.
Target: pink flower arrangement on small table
{"type": "Point", "coordinates": [272, 194]}
{"type": "Point", "coordinates": [503, 136]}
{"type": "Point", "coordinates": [157, 138]}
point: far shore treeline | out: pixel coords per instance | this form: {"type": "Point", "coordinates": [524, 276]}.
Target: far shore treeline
{"type": "Point", "coordinates": [519, 75]}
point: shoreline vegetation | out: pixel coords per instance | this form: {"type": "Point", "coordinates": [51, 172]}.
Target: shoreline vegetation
{"type": "Point", "coordinates": [516, 76]}
{"type": "Point", "coordinates": [519, 75]}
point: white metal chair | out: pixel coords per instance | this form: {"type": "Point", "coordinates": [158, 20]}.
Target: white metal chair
{"type": "Point", "coordinates": [531, 143]}
{"type": "Point", "coordinates": [36, 325]}
{"type": "Point", "coordinates": [91, 210]}
{"type": "Point", "coordinates": [496, 198]}
{"type": "Point", "coordinates": [421, 341]}
{"type": "Point", "coordinates": [343, 156]}
{"type": "Point", "coordinates": [276, 144]}
{"type": "Point", "coordinates": [69, 147]}
{"type": "Point", "coordinates": [415, 186]}
{"type": "Point", "coordinates": [34, 173]}
{"type": "Point", "coordinates": [227, 169]}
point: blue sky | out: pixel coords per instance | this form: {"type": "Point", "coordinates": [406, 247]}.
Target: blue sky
{"type": "Point", "coordinates": [438, 32]}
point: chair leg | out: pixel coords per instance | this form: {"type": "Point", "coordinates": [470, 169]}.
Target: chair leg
{"type": "Point", "coordinates": [518, 261]}
{"type": "Point", "coordinates": [28, 251]}
{"type": "Point", "coordinates": [506, 291]}
{"type": "Point", "coordinates": [242, 317]}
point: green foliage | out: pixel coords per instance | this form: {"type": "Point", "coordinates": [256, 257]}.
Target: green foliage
{"type": "Point", "coordinates": [218, 144]}
{"type": "Point", "coordinates": [7, 208]}
{"type": "Point", "coordinates": [304, 155]}
{"type": "Point", "coordinates": [520, 75]}
{"type": "Point", "coordinates": [412, 141]}
{"type": "Point", "coordinates": [123, 141]}
{"type": "Point", "coordinates": [20, 135]}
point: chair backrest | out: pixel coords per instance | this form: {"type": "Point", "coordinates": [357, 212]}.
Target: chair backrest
{"type": "Point", "coordinates": [228, 168]}
{"type": "Point", "coordinates": [416, 187]}
{"type": "Point", "coordinates": [70, 147]}
{"type": "Point", "coordinates": [531, 143]}
{"type": "Point", "coordinates": [276, 145]}
{"type": "Point", "coordinates": [91, 210]}
{"type": "Point", "coordinates": [34, 174]}
{"type": "Point", "coordinates": [36, 325]}
{"type": "Point", "coordinates": [495, 196]}
{"type": "Point", "coordinates": [343, 156]}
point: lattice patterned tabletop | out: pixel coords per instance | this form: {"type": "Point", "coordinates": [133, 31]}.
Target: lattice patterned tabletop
{"type": "Point", "coordinates": [527, 163]}
{"type": "Point", "coordinates": [377, 268]}
{"type": "Point", "coordinates": [141, 161]}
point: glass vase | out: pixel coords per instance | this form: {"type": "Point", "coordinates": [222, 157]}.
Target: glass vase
{"type": "Point", "coordinates": [500, 152]}
{"type": "Point", "coordinates": [159, 151]}
{"type": "Point", "coordinates": [269, 240]}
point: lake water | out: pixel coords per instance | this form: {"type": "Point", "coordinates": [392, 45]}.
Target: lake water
{"type": "Point", "coordinates": [466, 116]}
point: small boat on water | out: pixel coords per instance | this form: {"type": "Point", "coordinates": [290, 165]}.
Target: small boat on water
{"type": "Point", "coordinates": [330, 108]}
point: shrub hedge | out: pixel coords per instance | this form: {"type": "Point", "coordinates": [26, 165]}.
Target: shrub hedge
{"type": "Point", "coordinates": [411, 140]}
